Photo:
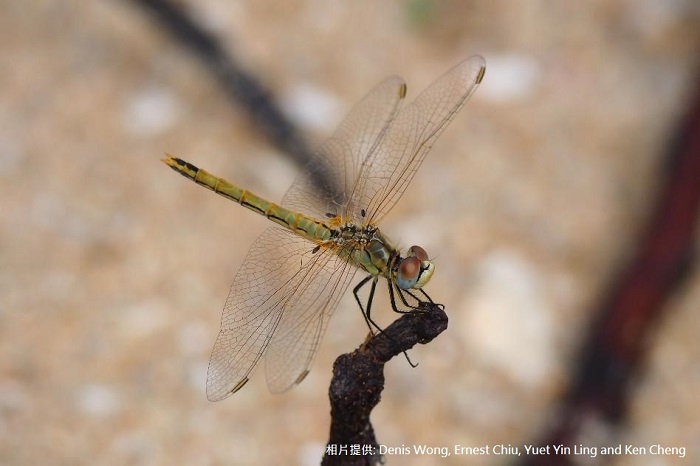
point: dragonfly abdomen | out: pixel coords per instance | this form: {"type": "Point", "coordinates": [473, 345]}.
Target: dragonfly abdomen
{"type": "Point", "coordinates": [298, 223]}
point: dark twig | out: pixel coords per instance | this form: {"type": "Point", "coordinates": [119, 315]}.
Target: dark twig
{"type": "Point", "coordinates": [240, 86]}
{"type": "Point", "coordinates": [615, 348]}
{"type": "Point", "coordinates": [358, 380]}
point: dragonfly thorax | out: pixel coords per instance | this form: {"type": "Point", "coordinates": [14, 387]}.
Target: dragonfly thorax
{"type": "Point", "coordinates": [366, 248]}
{"type": "Point", "coordinates": [369, 249]}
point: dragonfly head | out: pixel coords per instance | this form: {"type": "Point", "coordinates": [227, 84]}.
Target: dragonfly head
{"type": "Point", "coordinates": [415, 269]}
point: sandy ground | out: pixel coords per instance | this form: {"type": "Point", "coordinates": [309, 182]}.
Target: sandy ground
{"type": "Point", "coordinates": [113, 270]}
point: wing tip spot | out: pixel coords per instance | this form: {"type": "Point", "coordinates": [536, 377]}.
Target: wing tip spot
{"type": "Point", "coordinates": [301, 377]}
{"type": "Point", "coordinates": [480, 74]}
{"type": "Point", "coordinates": [239, 385]}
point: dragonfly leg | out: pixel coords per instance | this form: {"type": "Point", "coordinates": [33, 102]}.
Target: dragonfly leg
{"type": "Point", "coordinates": [366, 310]}
{"type": "Point", "coordinates": [401, 311]}
{"type": "Point", "coordinates": [430, 300]}
{"type": "Point", "coordinates": [426, 295]}
{"type": "Point", "coordinates": [419, 300]}
{"type": "Point", "coordinates": [403, 300]}
{"type": "Point", "coordinates": [416, 308]}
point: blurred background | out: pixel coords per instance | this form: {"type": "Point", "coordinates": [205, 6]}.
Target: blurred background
{"type": "Point", "coordinates": [114, 270]}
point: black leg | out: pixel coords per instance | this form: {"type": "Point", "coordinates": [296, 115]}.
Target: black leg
{"type": "Point", "coordinates": [392, 299]}
{"type": "Point", "coordinates": [418, 300]}
{"type": "Point", "coordinates": [426, 295]}
{"type": "Point", "coordinates": [400, 311]}
{"type": "Point", "coordinates": [366, 311]}
{"type": "Point", "coordinates": [400, 292]}
{"type": "Point", "coordinates": [355, 292]}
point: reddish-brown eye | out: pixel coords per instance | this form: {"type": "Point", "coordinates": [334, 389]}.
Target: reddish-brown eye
{"type": "Point", "coordinates": [418, 252]}
{"type": "Point", "coordinates": [408, 273]}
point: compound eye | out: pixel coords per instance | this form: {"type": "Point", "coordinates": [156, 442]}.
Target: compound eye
{"type": "Point", "coordinates": [408, 273]}
{"type": "Point", "coordinates": [418, 252]}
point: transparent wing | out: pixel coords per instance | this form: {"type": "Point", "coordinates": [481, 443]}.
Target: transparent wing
{"type": "Point", "coordinates": [284, 293]}
{"type": "Point", "coordinates": [282, 287]}
{"type": "Point", "coordinates": [327, 183]}
{"type": "Point", "coordinates": [391, 164]}
{"type": "Point", "coordinates": [304, 321]}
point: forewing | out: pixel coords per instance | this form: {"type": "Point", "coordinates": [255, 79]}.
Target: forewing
{"type": "Point", "coordinates": [276, 278]}
{"type": "Point", "coordinates": [325, 186]}
{"type": "Point", "coordinates": [391, 165]}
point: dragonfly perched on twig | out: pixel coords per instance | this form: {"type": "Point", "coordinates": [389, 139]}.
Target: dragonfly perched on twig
{"type": "Point", "coordinates": [295, 273]}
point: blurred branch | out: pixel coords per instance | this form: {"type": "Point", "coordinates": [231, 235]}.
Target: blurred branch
{"type": "Point", "coordinates": [241, 87]}
{"type": "Point", "coordinates": [615, 347]}
{"type": "Point", "coordinates": [358, 380]}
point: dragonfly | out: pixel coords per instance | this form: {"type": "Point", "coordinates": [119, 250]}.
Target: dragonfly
{"type": "Point", "coordinates": [293, 276]}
